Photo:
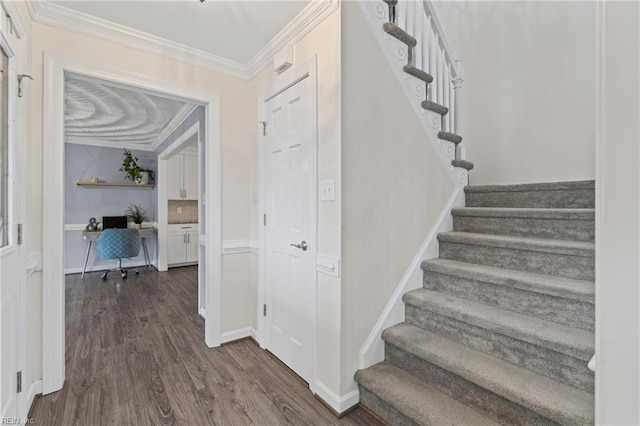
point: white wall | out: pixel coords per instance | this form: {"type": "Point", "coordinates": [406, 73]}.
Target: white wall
{"type": "Point", "coordinates": [323, 41]}
{"type": "Point", "coordinates": [393, 184]}
{"type": "Point", "coordinates": [235, 139]}
{"type": "Point", "coordinates": [618, 219]}
{"type": "Point", "coordinates": [529, 90]}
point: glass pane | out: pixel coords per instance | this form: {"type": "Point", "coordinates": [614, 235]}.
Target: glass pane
{"type": "Point", "coordinates": [4, 152]}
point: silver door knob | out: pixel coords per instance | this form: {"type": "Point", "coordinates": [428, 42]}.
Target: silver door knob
{"type": "Point", "coordinates": [302, 246]}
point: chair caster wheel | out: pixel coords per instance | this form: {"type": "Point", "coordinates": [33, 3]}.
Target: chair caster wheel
{"type": "Point", "coordinates": [124, 276]}
{"type": "Point", "coordinates": [137, 273]}
{"type": "Point", "coordinates": [104, 277]}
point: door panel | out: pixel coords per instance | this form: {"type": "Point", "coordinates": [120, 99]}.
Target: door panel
{"type": "Point", "coordinates": [174, 172]}
{"type": "Point", "coordinates": [9, 254]}
{"type": "Point", "coordinates": [289, 195]}
{"type": "Point", "coordinates": [190, 176]}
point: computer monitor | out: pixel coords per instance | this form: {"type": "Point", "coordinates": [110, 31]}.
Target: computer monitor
{"type": "Point", "coordinates": [114, 222]}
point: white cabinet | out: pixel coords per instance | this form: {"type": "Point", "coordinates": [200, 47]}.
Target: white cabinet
{"type": "Point", "coordinates": [182, 244]}
{"type": "Point", "coordinates": [182, 171]}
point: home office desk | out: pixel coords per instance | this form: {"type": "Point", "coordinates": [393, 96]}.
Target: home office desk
{"type": "Point", "coordinates": [91, 236]}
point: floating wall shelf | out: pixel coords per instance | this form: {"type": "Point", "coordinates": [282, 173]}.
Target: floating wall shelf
{"type": "Point", "coordinates": [128, 185]}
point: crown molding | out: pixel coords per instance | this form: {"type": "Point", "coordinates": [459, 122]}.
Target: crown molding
{"type": "Point", "coordinates": [314, 13]}
{"type": "Point", "coordinates": [309, 18]}
{"type": "Point", "coordinates": [175, 122]}
{"type": "Point", "coordinates": [108, 144]}
{"type": "Point", "coordinates": [18, 24]}
{"type": "Point", "coordinates": [48, 13]}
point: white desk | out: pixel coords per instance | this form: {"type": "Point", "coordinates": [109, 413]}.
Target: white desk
{"type": "Point", "coordinates": [91, 236]}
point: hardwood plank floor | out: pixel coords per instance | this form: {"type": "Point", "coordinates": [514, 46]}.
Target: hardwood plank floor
{"type": "Point", "coordinates": [135, 354]}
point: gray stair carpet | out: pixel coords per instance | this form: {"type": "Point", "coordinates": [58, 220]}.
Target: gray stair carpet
{"type": "Point", "coordinates": [504, 324]}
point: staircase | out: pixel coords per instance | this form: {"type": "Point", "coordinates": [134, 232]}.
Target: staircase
{"type": "Point", "coordinates": [503, 329]}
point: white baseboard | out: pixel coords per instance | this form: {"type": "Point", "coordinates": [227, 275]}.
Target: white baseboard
{"type": "Point", "coordinates": [34, 390]}
{"type": "Point", "coordinates": [240, 333]}
{"type": "Point", "coordinates": [340, 404]}
{"type": "Point", "coordinates": [203, 313]}
{"type": "Point", "coordinates": [68, 271]}
{"type": "Point", "coordinates": [372, 350]}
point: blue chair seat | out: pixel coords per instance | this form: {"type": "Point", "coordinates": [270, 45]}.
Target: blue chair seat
{"type": "Point", "coordinates": [118, 244]}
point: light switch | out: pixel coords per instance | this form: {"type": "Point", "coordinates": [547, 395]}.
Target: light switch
{"type": "Point", "coordinates": [327, 190]}
{"type": "Point", "coordinates": [179, 210]}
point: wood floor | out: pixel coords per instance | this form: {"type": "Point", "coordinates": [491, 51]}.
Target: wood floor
{"type": "Point", "coordinates": [135, 354]}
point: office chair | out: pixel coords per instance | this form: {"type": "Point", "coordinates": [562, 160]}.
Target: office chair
{"type": "Point", "coordinates": [118, 244]}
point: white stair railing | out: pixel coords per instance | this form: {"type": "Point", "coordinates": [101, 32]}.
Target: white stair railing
{"type": "Point", "coordinates": [433, 55]}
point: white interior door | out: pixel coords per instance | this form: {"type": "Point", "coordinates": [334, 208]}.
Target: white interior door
{"type": "Point", "coordinates": [290, 191]}
{"type": "Point", "coordinates": [9, 255]}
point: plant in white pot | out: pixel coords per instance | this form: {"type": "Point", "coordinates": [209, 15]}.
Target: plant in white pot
{"type": "Point", "coordinates": [137, 215]}
{"type": "Point", "coordinates": [133, 171]}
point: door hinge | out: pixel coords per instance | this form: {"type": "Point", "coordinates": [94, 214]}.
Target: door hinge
{"type": "Point", "coordinates": [264, 219]}
{"type": "Point", "coordinates": [264, 310]}
{"type": "Point", "coordinates": [19, 234]}
{"type": "Point", "coordinates": [19, 381]}
{"type": "Point", "coordinates": [264, 128]}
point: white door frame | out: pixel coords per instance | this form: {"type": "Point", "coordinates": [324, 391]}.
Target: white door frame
{"type": "Point", "coordinates": [53, 311]}
{"type": "Point", "coordinates": [13, 41]}
{"type": "Point", "coordinates": [289, 78]}
{"type": "Point", "coordinates": [163, 203]}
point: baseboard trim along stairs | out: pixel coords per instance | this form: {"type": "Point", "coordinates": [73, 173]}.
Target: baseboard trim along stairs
{"type": "Point", "coordinates": [503, 328]}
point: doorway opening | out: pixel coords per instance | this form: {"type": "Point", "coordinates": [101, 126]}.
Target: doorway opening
{"type": "Point", "coordinates": [56, 68]}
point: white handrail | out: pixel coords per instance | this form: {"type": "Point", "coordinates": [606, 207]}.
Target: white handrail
{"type": "Point", "coordinates": [433, 55]}
{"type": "Point", "coordinates": [435, 23]}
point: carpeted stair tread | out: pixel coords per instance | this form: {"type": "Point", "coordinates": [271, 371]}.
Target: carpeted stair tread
{"type": "Point", "coordinates": [527, 187]}
{"type": "Point", "coordinates": [435, 107]}
{"type": "Point", "coordinates": [417, 400]}
{"type": "Point", "coordinates": [566, 340]}
{"type": "Point", "coordinates": [557, 401]}
{"type": "Point", "coordinates": [451, 137]}
{"type": "Point", "coordinates": [566, 288]}
{"type": "Point", "coordinates": [464, 164]}
{"type": "Point", "coordinates": [417, 73]}
{"type": "Point", "coordinates": [574, 248]}
{"type": "Point", "coordinates": [547, 213]}
{"type": "Point", "coordinates": [397, 32]}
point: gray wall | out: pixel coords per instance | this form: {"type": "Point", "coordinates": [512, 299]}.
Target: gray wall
{"type": "Point", "coordinates": [81, 163]}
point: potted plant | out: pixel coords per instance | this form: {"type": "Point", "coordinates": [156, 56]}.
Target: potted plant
{"type": "Point", "coordinates": [137, 215]}
{"type": "Point", "coordinates": [133, 171]}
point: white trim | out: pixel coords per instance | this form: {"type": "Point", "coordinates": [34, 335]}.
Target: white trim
{"type": "Point", "coordinates": [372, 350]}
{"type": "Point", "coordinates": [18, 24]}
{"type": "Point", "coordinates": [328, 265]}
{"type": "Point", "coordinates": [173, 125]}
{"type": "Point", "coordinates": [240, 333]}
{"type": "Point", "coordinates": [203, 312]}
{"type": "Point", "coordinates": [309, 18]}
{"type": "Point", "coordinates": [340, 404]}
{"type": "Point", "coordinates": [286, 80]}
{"type": "Point", "coordinates": [125, 264]}
{"type": "Point", "coordinates": [53, 312]}
{"type": "Point", "coordinates": [35, 389]}
{"type": "Point", "coordinates": [177, 144]}
{"type": "Point", "coordinates": [58, 16]}
{"type": "Point", "coordinates": [34, 263]}
{"type": "Point", "coordinates": [239, 246]}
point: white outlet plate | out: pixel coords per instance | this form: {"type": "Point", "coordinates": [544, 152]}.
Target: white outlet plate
{"type": "Point", "coordinates": [327, 190]}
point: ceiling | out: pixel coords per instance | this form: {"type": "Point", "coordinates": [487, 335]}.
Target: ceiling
{"type": "Point", "coordinates": [106, 114]}
{"type": "Point", "coordinates": [236, 30]}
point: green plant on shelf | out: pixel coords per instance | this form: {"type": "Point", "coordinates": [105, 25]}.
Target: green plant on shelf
{"type": "Point", "coordinates": [133, 171]}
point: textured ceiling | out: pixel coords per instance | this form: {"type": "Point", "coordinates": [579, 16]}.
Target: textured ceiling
{"type": "Point", "coordinates": [235, 30]}
{"type": "Point", "coordinates": [97, 113]}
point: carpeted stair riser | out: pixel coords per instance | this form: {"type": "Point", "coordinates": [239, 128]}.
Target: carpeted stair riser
{"type": "Point", "coordinates": [382, 409]}
{"type": "Point", "coordinates": [572, 313]}
{"type": "Point", "coordinates": [558, 264]}
{"type": "Point", "coordinates": [555, 229]}
{"type": "Point", "coordinates": [483, 400]}
{"type": "Point", "coordinates": [562, 367]}
{"type": "Point", "coordinates": [568, 195]}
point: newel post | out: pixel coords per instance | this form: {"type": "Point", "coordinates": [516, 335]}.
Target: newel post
{"type": "Point", "coordinates": [458, 124]}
